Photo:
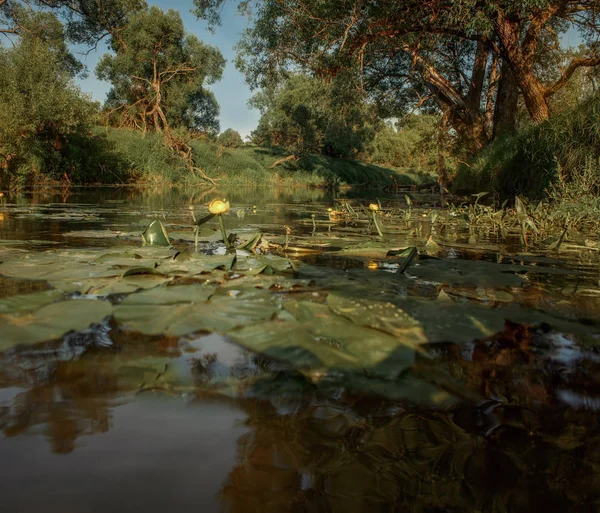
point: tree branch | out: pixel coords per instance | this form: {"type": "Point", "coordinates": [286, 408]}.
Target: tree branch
{"type": "Point", "coordinates": [587, 62]}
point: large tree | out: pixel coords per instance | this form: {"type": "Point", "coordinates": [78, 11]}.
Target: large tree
{"type": "Point", "coordinates": [41, 106]}
{"type": "Point", "coordinates": [466, 55]}
{"type": "Point", "coordinates": [309, 115]}
{"type": "Point", "coordinates": [158, 74]}
{"type": "Point", "coordinates": [87, 21]}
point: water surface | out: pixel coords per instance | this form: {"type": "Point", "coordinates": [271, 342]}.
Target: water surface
{"type": "Point", "coordinates": [108, 419]}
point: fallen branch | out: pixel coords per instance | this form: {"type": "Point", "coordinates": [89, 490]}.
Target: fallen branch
{"type": "Point", "coordinates": [281, 161]}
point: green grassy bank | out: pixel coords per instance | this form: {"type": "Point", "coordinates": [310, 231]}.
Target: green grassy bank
{"type": "Point", "coordinates": [558, 159]}
{"type": "Point", "coordinates": [109, 156]}
{"type": "Point", "coordinates": [147, 160]}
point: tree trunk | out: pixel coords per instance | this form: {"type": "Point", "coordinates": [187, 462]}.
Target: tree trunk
{"type": "Point", "coordinates": [505, 110]}
{"type": "Point", "coordinates": [533, 94]}
{"type": "Point", "coordinates": [478, 77]}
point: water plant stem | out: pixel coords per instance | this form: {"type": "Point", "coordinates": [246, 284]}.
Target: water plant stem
{"type": "Point", "coordinates": [223, 232]}
{"type": "Point", "coordinates": [376, 222]}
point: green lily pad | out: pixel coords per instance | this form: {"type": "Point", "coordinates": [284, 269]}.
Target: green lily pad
{"type": "Point", "coordinates": [259, 264]}
{"type": "Point", "coordinates": [380, 315]}
{"type": "Point", "coordinates": [155, 234]}
{"type": "Point", "coordinates": [50, 322]}
{"type": "Point", "coordinates": [170, 295]}
{"type": "Point", "coordinates": [28, 302]}
{"type": "Point", "coordinates": [251, 243]}
{"type": "Point", "coordinates": [468, 272]}
{"type": "Point", "coordinates": [371, 250]}
{"type": "Point", "coordinates": [180, 318]}
{"type": "Point", "coordinates": [197, 263]}
{"type": "Point", "coordinates": [318, 339]}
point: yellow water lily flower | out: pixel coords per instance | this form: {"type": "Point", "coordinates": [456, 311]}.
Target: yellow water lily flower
{"type": "Point", "coordinates": [374, 207]}
{"type": "Point", "coordinates": [218, 206]}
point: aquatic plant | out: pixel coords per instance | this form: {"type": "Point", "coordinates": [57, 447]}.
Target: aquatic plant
{"type": "Point", "coordinates": [374, 208]}
{"type": "Point", "coordinates": [219, 207]}
{"type": "Point", "coordinates": [156, 235]}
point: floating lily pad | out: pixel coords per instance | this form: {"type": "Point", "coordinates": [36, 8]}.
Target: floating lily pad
{"type": "Point", "coordinates": [318, 339]}
{"type": "Point", "coordinates": [372, 250]}
{"type": "Point", "coordinates": [468, 272]}
{"type": "Point", "coordinates": [380, 315]}
{"type": "Point", "coordinates": [28, 302]}
{"type": "Point", "coordinates": [50, 322]}
{"type": "Point", "coordinates": [221, 315]}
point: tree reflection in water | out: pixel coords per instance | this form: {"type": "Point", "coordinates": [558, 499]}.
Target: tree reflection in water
{"type": "Point", "coordinates": [522, 436]}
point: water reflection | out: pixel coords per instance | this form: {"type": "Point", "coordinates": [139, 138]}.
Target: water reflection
{"type": "Point", "coordinates": [110, 420]}
{"type": "Point", "coordinates": [523, 434]}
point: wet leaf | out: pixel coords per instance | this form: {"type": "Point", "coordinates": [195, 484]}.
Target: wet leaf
{"type": "Point", "coordinates": [251, 243]}
{"type": "Point", "coordinates": [28, 302]}
{"type": "Point", "coordinates": [471, 272]}
{"type": "Point", "coordinates": [180, 318]}
{"type": "Point", "coordinates": [155, 234]}
{"type": "Point", "coordinates": [320, 339]}
{"type": "Point", "coordinates": [50, 322]}
{"type": "Point", "coordinates": [380, 315]}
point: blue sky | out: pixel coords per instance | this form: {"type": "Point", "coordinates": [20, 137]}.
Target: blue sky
{"type": "Point", "coordinates": [232, 92]}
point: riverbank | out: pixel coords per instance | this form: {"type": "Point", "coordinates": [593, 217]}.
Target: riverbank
{"type": "Point", "coordinates": [124, 157]}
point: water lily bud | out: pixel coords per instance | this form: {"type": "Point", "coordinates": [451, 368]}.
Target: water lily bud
{"type": "Point", "coordinates": [374, 207]}
{"type": "Point", "coordinates": [191, 207]}
{"type": "Point", "coordinates": [218, 206]}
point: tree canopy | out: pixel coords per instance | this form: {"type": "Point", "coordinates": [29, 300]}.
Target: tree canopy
{"type": "Point", "coordinates": [464, 56]}
{"type": "Point", "coordinates": [308, 115]}
{"type": "Point", "coordinates": [41, 106]}
{"type": "Point", "coordinates": [158, 74]}
{"type": "Point", "coordinates": [87, 21]}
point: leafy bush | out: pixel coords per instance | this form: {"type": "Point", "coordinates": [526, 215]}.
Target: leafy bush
{"type": "Point", "coordinates": [529, 162]}
{"type": "Point", "coordinates": [230, 139]}
{"type": "Point", "coordinates": [42, 112]}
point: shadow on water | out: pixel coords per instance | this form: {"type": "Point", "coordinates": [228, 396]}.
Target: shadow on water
{"type": "Point", "coordinates": [107, 419]}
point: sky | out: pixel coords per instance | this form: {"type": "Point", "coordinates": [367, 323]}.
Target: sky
{"type": "Point", "coordinates": [231, 91]}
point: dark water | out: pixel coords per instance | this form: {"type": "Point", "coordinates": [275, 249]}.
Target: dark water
{"type": "Point", "coordinates": [91, 423]}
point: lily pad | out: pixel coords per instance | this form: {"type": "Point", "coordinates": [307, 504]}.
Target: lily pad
{"type": "Point", "coordinates": [318, 339]}
{"type": "Point", "coordinates": [468, 272]}
{"type": "Point", "coordinates": [28, 302]}
{"type": "Point", "coordinates": [155, 234]}
{"type": "Point", "coordinates": [50, 322]}
{"type": "Point", "coordinates": [380, 315]}
{"type": "Point", "coordinates": [180, 318]}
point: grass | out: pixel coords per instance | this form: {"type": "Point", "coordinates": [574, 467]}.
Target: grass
{"type": "Point", "coordinates": [541, 159]}
{"type": "Point", "coordinates": [148, 160]}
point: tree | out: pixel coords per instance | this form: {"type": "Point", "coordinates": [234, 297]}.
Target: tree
{"type": "Point", "coordinates": [230, 139]}
{"type": "Point", "coordinates": [466, 55]}
{"type": "Point", "coordinates": [412, 143]}
{"type": "Point", "coordinates": [87, 21]}
{"type": "Point", "coordinates": [41, 106]}
{"type": "Point", "coordinates": [158, 74]}
{"type": "Point", "coordinates": [308, 115]}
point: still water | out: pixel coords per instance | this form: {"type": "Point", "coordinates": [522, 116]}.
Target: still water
{"type": "Point", "coordinates": [495, 411]}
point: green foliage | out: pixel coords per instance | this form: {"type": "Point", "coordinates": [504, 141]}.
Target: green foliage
{"type": "Point", "coordinates": [87, 21]}
{"type": "Point", "coordinates": [413, 144]}
{"type": "Point", "coordinates": [562, 150]}
{"type": "Point", "coordinates": [307, 115]}
{"type": "Point", "coordinates": [42, 110]}
{"type": "Point", "coordinates": [158, 73]}
{"type": "Point", "coordinates": [149, 160]}
{"type": "Point", "coordinates": [230, 139]}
